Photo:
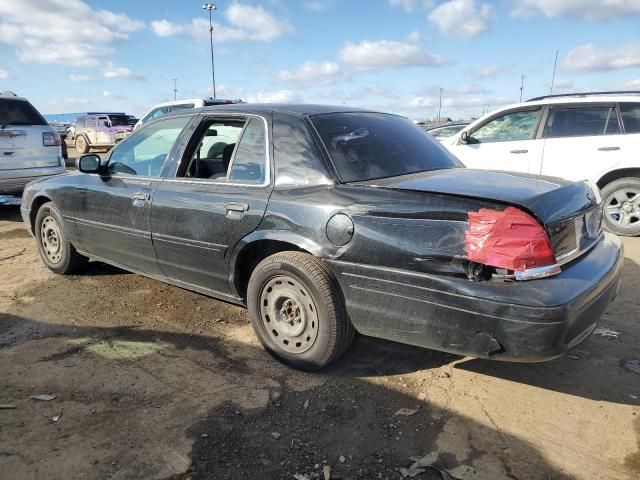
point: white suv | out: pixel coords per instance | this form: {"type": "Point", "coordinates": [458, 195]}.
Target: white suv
{"type": "Point", "coordinates": [594, 136]}
{"type": "Point", "coordinates": [29, 148]}
{"type": "Point", "coordinates": [161, 109]}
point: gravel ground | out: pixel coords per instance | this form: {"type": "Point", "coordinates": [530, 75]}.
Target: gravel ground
{"type": "Point", "coordinates": [155, 382]}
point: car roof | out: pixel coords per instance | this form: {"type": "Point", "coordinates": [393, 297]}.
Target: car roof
{"type": "Point", "coordinates": [262, 108]}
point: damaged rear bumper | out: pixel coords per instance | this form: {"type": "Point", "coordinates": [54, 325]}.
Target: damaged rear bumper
{"type": "Point", "coordinates": [529, 321]}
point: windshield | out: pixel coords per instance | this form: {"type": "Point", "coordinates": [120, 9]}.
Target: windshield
{"type": "Point", "coordinates": [119, 120]}
{"type": "Point", "coordinates": [365, 146]}
{"type": "Point", "coordinates": [19, 112]}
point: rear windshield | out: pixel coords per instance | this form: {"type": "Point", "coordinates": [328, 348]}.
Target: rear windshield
{"type": "Point", "coordinates": [119, 120]}
{"type": "Point", "coordinates": [366, 146]}
{"type": "Point", "coordinates": [19, 112]}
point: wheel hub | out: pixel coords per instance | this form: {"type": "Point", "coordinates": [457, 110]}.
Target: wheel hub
{"type": "Point", "coordinates": [622, 208]}
{"type": "Point", "coordinates": [50, 239]}
{"type": "Point", "coordinates": [288, 314]}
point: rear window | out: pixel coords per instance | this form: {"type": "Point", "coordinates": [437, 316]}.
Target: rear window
{"type": "Point", "coordinates": [119, 120]}
{"type": "Point", "coordinates": [19, 112]}
{"type": "Point", "coordinates": [366, 146]}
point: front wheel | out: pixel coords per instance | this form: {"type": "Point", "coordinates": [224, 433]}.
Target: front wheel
{"type": "Point", "coordinates": [297, 310]}
{"type": "Point", "coordinates": [622, 206]}
{"type": "Point", "coordinates": [81, 145]}
{"type": "Point", "coordinates": [53, 244]}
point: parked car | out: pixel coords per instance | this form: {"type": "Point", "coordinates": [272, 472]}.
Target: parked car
{"type": "Point", "coordinates": [594, 136]}
{"type": "Point", "coordinates": [29, 147]}
{"type": "Point", "coordinates": [161, 109]}
{"type": "Point", "coordinates": [100, 130]}
{"type": "Point", "coordinates": [325, 221]}
{"type": "Point", "coordinates": [445, 131]}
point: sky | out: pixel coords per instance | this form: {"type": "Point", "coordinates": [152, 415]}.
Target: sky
{"type": "Point", "coordinates": [389, 55]}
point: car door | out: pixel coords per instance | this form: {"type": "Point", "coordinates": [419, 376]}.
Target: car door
{"type": "Point", "coordinates": [91, 125]}
{"type": "Point", "coordinates": [113, 208]}
{"type": "Point", "coordinates": [506, 141]}
{"type": "Point", "coordinates": [581, 141]}
{"type": "Point", "coordinates": [629, 143]}
{"type": "Point", "coordinates": [217, 195]}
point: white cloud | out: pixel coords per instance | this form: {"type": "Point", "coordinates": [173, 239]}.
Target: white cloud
{"type": "Point", "coordinates": [407, 5]}
{"type": "Point", "coordinates": [462, 18]}
{"type": "Point", "coordinates": [113, 71]}
{"type": "Point", "coordinates": [65, 32]}
{"type": "Point", "coordinates": [318, 5]}
{"type": "Point", "coordinates": [585, 9]}
{"type": "Point", "coordinates": [369, 55]}
{"type": "Point", "coordinates": [311, 73]}
{"type": "Point", "coordinates": [414, 37]}
{"type": "Point", "coordinates": [589, 58]}
{"type": "Point", "coordinates": [633, 84]}
{"type": "Point", "coordinates": [79, 78]}
{"type": "Point", "coordinates": [3, 74]}
{"type": "Point", "coordinates": [279, 96]}
{"type": "Point", "coordinates": [245, 23]}
{"type": "Point", "coordinates": [490, 71]}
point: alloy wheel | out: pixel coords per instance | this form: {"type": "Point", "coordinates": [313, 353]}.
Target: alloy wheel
{"type": "Point", "coordinates": [622, 208]}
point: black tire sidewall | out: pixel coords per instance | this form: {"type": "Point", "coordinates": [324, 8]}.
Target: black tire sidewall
{"type": "Point", "coordinates": [63, 265]}
{"type": "Point", "coordinates": [606, 192]}
{"type": "Point", "coordinates": [313, 358]}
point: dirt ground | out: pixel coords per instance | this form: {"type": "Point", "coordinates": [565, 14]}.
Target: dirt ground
{"type": "Point", "coordinates": [154, 382]}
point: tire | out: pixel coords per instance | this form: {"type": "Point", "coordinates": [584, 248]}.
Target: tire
{"type": "Point", "coordinates": [53, 243]}
{"type": "Point", "coordinates": [297, 310]}
{"type": "Point", "coordinates": [622, 206]}
{"type": "Point", "coordinates": [82, 146]}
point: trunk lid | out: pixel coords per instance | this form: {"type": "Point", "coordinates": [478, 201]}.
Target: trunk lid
{"type": "Point", "coordinates": [571, 212]}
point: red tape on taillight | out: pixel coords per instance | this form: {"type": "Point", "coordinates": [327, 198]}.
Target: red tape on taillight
{"type": "Point", "coordinates": [510, 239]}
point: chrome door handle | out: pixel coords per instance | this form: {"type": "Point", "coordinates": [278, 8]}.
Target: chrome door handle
{"type": "Point", "coordinates": [519, 151]}
{"type": "Point", "coordinates": [139, 199]}
{"type": "Point", "coordinates": [608, 149]}
{"type": "Point", "coordinates": [236, 211]}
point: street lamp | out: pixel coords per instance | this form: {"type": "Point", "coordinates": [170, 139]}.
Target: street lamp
{"type": "Point", "coordinates": [211, 7]}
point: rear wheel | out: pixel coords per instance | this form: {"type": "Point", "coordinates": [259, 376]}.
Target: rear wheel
{"type": "Point", "coordinates": [297, 310]}
{"type": "Point", "coordinates": [53, 243]}
{"type": "Point", "coordinates": [81, 145]}
{"type": "Point", "coordinates": [622, 206]}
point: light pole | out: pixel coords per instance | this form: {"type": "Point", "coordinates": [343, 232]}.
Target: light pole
{"type": "Point", "coordinates": [175, 88]}
{"type": "Point", "coordinates": [522, 85]}
{"type": "Point", "coordinates": [440, 105]}
{"type": "Point", "coordinates": [211, 7]}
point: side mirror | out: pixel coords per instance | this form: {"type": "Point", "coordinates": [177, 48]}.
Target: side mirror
{"type": "Point", "coordinates": [464, 137]}
{"type": "Point", "coordinates": [88, 163]}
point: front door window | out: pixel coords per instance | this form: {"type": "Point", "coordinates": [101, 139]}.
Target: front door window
{"type": "Point", "coordinates": [509, 127]}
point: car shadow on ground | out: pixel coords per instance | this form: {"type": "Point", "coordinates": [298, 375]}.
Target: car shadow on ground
{"type": "Point", "coordinates": [340, 416]}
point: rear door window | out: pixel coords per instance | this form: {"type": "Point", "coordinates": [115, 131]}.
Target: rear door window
{"type": "Point", "coordinates": [630, 113]}
{"type": "Point", "coordinates": [249, 161]}
{"type": "Point", "coordinates": [19, 112]}
{"type": "Point", "coordinates": [581, 122]}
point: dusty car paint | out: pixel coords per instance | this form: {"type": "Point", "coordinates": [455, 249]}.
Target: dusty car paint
{"type": "Point", "coordinates": [403, 272]}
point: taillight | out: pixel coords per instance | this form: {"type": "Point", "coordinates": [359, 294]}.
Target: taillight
{"type": "Point", "coordinates": [510, 239]}
{"type": "Point", "coordinates": [51, 139]}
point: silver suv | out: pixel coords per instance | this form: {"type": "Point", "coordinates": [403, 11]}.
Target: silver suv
{"type": "Point", "coordinates": [29, 148]}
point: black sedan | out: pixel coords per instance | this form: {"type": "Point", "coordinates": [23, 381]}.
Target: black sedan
{"type": "Point", "coordinates": [327, 221]}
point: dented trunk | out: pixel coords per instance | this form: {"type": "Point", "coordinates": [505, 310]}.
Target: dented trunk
{"type": "Point", "coordinates": [570, 212]}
